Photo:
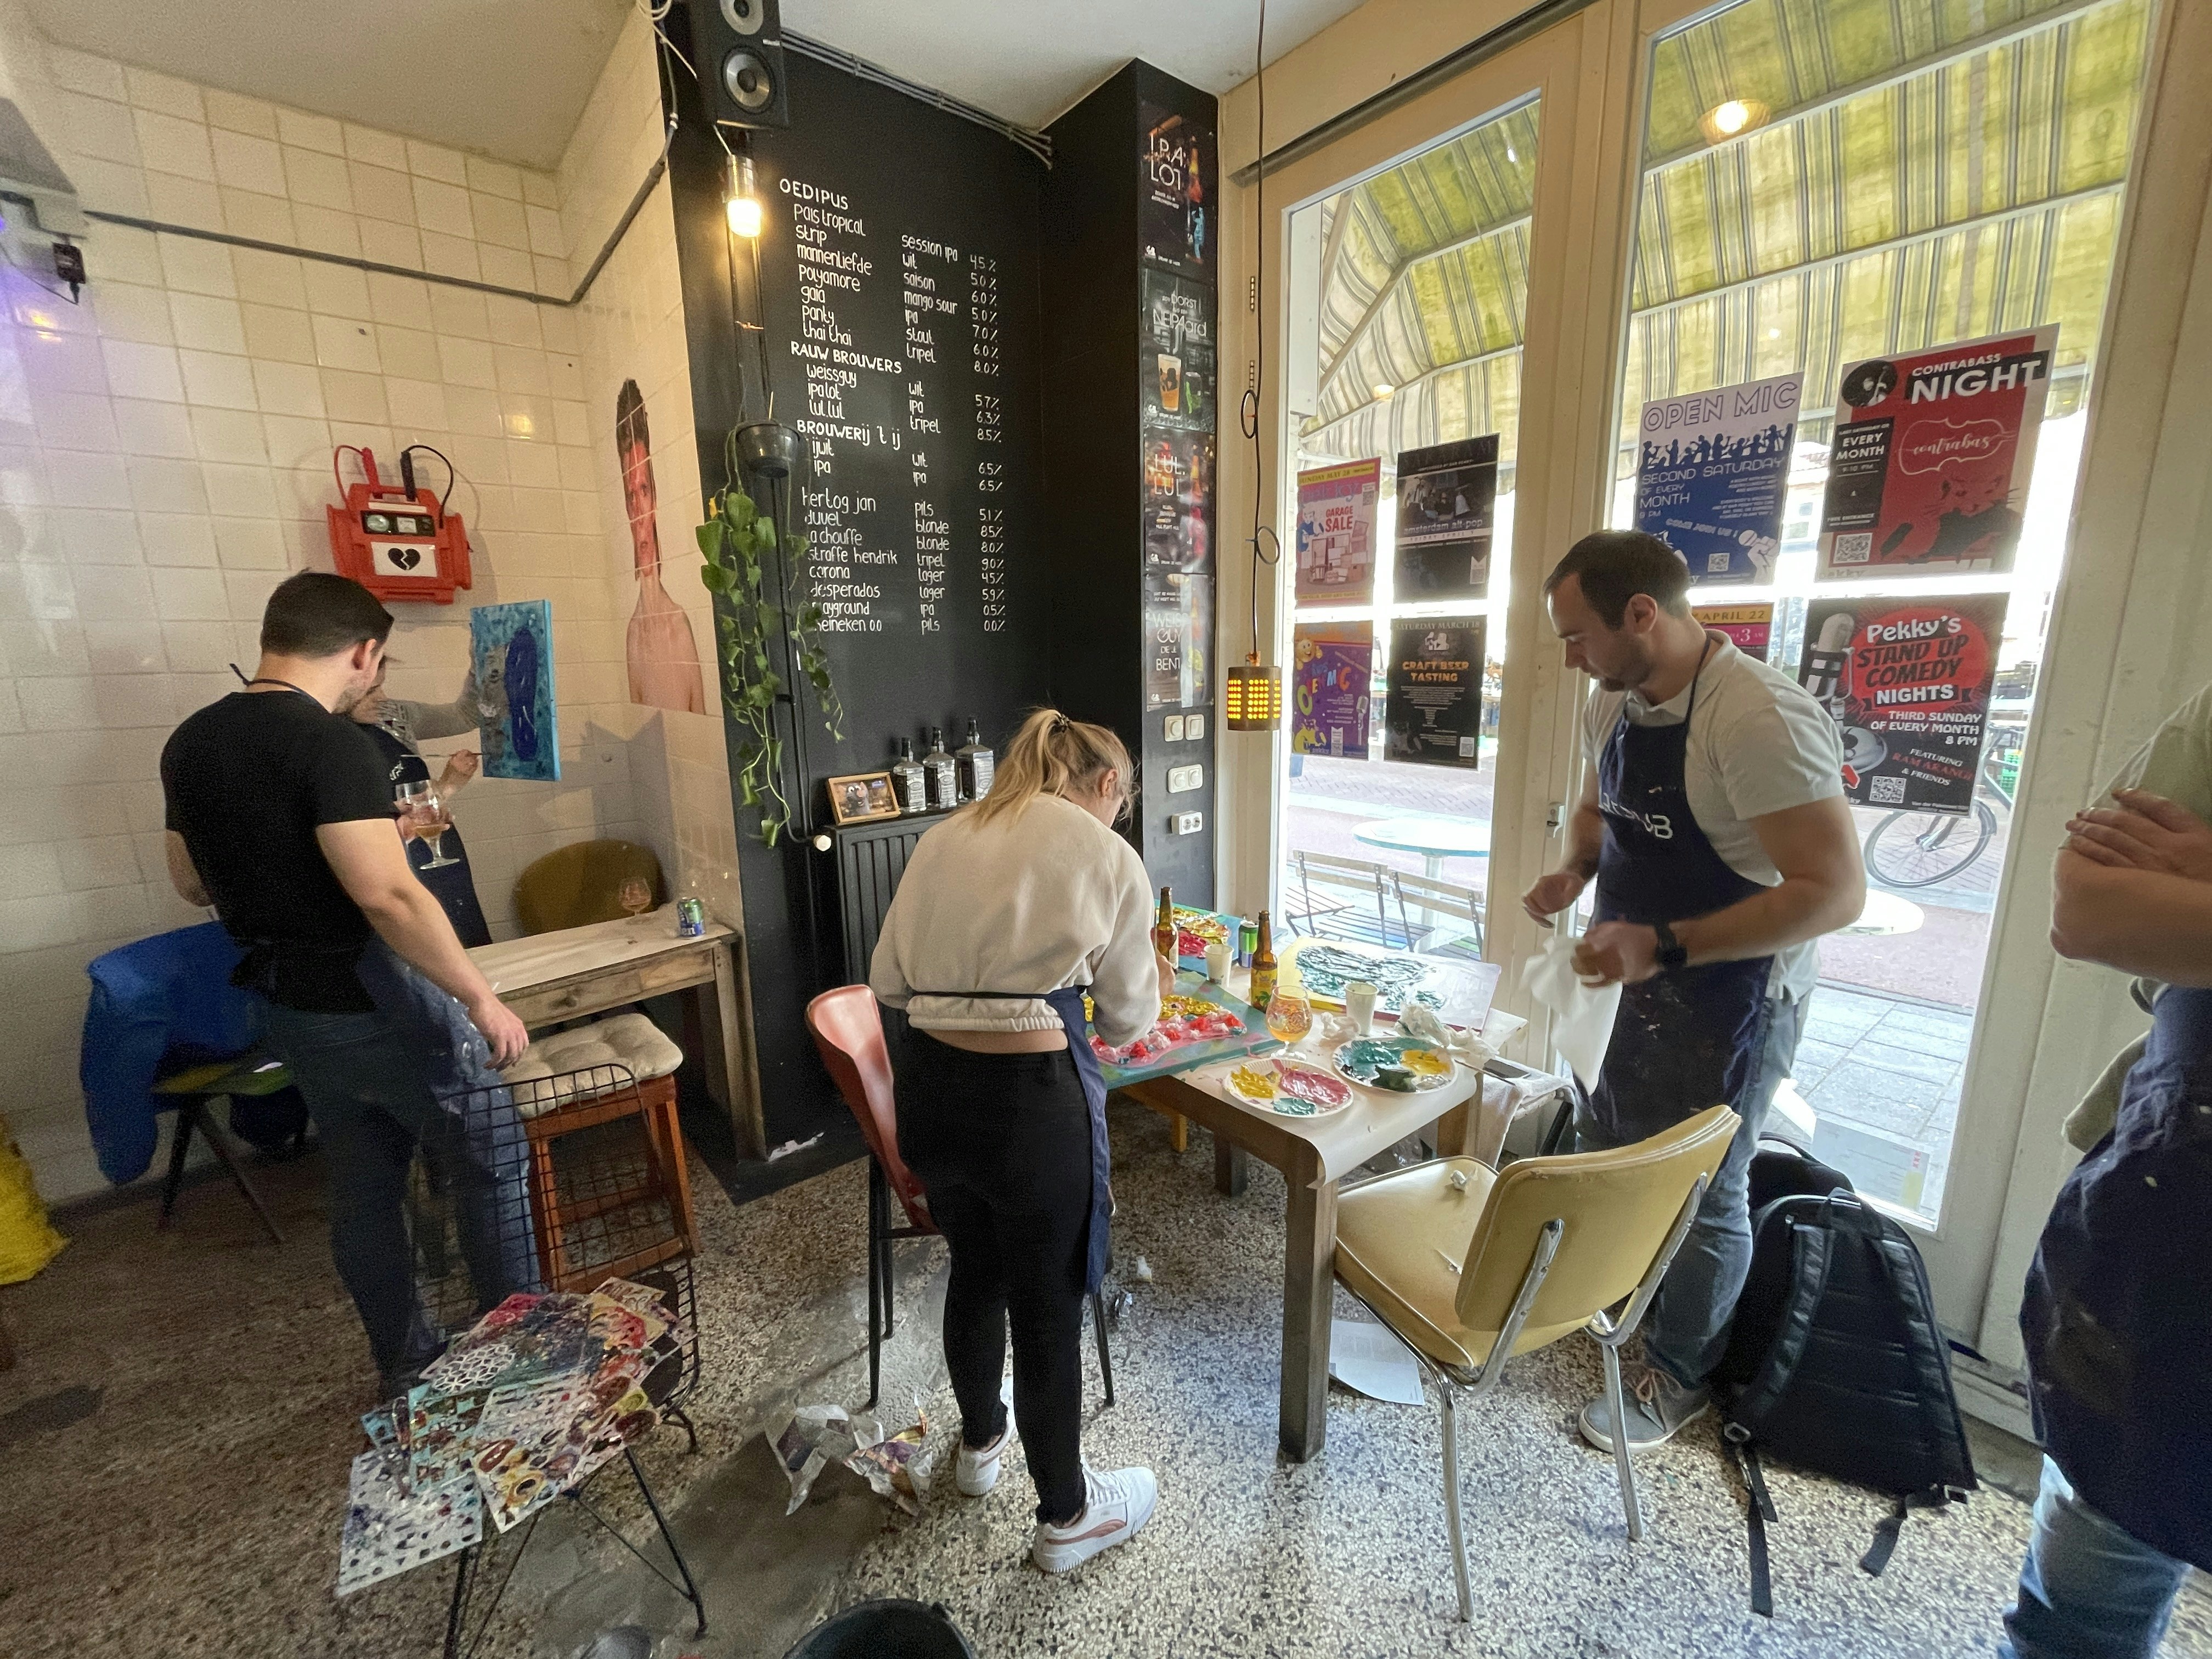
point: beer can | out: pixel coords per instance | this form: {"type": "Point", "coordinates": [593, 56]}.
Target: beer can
{"type": "Point", "coordinates": [1248, 941]}
{"type": "Point", "coordinates": [690, 918]}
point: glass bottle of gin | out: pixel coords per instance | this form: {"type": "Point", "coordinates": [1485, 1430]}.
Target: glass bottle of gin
{"type": "Point", "coordinates": [908, 780]}
{"type": "Point", "coordinates": [976, 764]}
{"type": "Point", "coordinates": [943, 773]}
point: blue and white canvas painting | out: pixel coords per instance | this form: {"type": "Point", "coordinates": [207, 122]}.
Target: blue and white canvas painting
{"type": "Point", "coordinates": [512, 647]}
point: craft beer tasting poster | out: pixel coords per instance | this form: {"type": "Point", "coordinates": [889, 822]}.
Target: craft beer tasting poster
{"type": "Point", "coordinates": [1908, 684]}
{"type": "Point", "coordinates": [1932, 455]}
{"type": "Point", "coordinates": [1711, 471]}
{"type": "Point", "coordinates": [1432, 711]}
{"type": "Point", "coordinates": [1336, 532]}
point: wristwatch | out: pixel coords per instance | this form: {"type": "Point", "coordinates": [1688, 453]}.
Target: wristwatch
{"type": "Point", "coordinates": [1673, 953]}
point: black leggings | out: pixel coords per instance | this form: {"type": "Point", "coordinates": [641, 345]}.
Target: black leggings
{"type": "Point", "coordinates": [1002, 1145]}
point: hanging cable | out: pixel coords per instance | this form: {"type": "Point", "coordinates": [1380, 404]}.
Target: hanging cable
{"type": "Point", "coordinates": [451, 473]}
{"type": "Point", "coordinates": [1253, 694]}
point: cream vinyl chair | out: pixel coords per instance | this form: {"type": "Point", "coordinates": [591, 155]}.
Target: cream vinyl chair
{"type": "Point", "coordinates": [1468, 1267]}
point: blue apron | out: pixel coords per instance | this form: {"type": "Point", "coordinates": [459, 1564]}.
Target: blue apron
{"type": "Point", "coordinates": [1686, 1040]}
{"type": "Point", "coordinates": [2119, 1317]}
{"type": "Point", "coordinates": [451, 884]}
{"type": "Point", "coordinates": [1067, 1003]}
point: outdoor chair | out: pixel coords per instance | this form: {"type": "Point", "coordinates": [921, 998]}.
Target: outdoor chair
{"type": "Point", "coordinates": [1437, 918]}
{"type": "Point", "coordinates": [1329, 896]}
{"type": "Point", "coordinates": [1468, 1267]}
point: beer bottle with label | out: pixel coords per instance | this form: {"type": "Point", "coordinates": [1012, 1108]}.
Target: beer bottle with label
{"type": "Point", "coordinates": [1164, 927]}
{"type": "Point", "coordinates": [1263, 966]}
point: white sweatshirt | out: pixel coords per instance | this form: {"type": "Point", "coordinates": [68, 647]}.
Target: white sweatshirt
{"type": "Point", "coordinates": [1046, 897]}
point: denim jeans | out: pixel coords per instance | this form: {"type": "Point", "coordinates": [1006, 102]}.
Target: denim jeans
{"type": "Point", "coordinates": [373, 1082]}
{"type": "Point", "coordinates": [2087, 1590]}
{"type": "Point", "coordinates": [1686, 1331]}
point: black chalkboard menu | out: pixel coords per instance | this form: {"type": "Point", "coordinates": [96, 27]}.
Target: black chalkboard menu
{"type": "Point", "coordinates": [897, 297]}
{"type": "Point", "coordinates": [899, 288]}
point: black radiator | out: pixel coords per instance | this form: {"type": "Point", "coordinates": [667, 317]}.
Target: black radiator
{"type": "Point", "coordinates": [870, 858]}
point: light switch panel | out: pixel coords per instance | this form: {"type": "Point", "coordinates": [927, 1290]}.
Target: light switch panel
{"type": "Point", "coordinates": [1194, 727]}
{"type": "Point", "coordinates": [1183, 779]}
{"type": "Point", "coordinates": [1174, 734]}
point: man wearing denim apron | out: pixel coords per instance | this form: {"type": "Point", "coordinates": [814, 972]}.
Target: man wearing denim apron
{"type": "Point", "coordinates": [2118, 1320]}
{"type": "Point", "coordinates": [280, 815]}
{"type": "Point", "coordinates": [1713, 821]}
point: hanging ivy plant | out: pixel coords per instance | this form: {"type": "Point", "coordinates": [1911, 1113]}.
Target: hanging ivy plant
{"type": "Point", "coordinates": [739, 540]}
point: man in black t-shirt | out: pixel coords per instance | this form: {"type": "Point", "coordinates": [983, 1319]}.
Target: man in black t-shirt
{"type": "Point", "coordinates": [280, 815]}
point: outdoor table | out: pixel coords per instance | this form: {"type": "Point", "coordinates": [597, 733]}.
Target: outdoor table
{"type": "Point", "coordinates": [1314, 1154]}
{"type": "Point", "coordinates": [1884, 913]}
{"type": "Point", "coordinates": [547, 978]}
{"type": "Point", "coordinates": [1434, 839]}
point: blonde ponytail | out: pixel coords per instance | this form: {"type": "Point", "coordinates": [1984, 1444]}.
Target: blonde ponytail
{"type": "Point", "coordinates": [1053, 755]}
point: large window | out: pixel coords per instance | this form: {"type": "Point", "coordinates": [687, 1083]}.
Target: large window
{"type": "Point", "coordinates": [1408, 297]}
{"type": "Point", "coordinates": [1825, 185]}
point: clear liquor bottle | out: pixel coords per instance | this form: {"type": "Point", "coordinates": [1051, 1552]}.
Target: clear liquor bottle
{"type": "Point", "coordinates": [908, 782]}
{"type": "Point", "coordinates": [977, 763]}
{"type": "Point", "coordinates": [943, 773]}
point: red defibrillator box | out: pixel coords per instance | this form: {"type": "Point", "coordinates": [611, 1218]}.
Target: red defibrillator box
{"type": "Point", "coordinates": [397, 541]}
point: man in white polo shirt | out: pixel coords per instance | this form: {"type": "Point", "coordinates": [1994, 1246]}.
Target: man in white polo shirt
{"type": "Point", "coordinates": [1713, 820]}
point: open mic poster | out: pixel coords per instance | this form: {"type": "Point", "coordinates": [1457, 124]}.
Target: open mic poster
{"type": "Point", "coordinates": [1336, 532]}
{"type": "Point", "coordinates": [512, 647]}
{"type": "Point", "coordinates": [1333, 668]}
{"type": "Point", "coordinates": [1711, 471]}
{"type": "Point", "coordinates": [1432, 711]}
{"type": "Point", "coordinates": [1908, 683]}
{"type": "Point", "coordinates": [1447, 506]}
{"type": "Point", "coordinates": [1929, 466]}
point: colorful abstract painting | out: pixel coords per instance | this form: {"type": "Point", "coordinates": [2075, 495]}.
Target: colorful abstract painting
{"type": "Point", "coordinates": [512, 647]}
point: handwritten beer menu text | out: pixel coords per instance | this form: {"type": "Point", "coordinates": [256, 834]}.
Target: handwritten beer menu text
{"type": "Point", "coordinates": [906, 419]}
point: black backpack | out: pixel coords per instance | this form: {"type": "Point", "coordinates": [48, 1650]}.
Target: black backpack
{"type": "Point", "coordinates": [1836, 1362]}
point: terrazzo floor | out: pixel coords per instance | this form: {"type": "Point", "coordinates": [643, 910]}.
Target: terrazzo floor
{"type": "Point", "coordinates": [173, 1447]}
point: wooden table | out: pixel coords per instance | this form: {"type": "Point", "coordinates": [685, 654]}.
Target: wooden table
{"type": "Point", "coordinates": [1309, 1249]}
{"type": "Point", "coordinates": [547, 978]}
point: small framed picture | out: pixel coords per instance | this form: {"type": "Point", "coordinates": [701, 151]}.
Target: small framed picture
{"type": "Point", "coordinates": [863, 798]}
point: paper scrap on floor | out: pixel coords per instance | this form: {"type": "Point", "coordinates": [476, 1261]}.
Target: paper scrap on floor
{"type": "Point", "coordinates": [1581, 1029]}
{"type": "Point", "coordinates": [816, 1437]}
{"type": "Point", "coordinates": [1367, 1358]}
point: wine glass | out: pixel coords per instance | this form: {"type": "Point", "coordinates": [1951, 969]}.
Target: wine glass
{"type": "Point", "coordinates": [634, 896]}
{"type": "Point", "coordinates": [423, 814]}
{"type": "Point", "coordinates": [1289, 1016]}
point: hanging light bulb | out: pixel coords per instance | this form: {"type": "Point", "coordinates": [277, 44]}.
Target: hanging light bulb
{"type": "Point", "coordinates": [739, 201]}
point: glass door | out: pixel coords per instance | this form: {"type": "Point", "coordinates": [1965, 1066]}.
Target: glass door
{"type": "Point", "coordinates": [1913, 227]}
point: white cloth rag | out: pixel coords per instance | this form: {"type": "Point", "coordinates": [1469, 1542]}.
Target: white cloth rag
{"type": "Point", "coordinates": [1581, 1015]}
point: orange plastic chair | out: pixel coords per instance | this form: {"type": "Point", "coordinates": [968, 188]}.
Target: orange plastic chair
{"type": "Point", "coordinates": [848, 1027]}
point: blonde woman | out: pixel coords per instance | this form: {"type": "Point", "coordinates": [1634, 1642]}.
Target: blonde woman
{"type": "Point", "coordinates": [1007, 912]}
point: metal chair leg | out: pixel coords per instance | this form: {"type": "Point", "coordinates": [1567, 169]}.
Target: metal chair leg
{"type": "Point", "coordinates": [180, 1143]}
{"type": "Point", "coordinates": [1620, 1459]}
{"type": "Point", "coordinates": [1105, 1359]}
{"type": "Point", "coordinates": [875, 1284]}
{"type": "Point", "coordinates": [1453, 1523]}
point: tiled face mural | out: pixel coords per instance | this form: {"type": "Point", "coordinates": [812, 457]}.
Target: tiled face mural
{"type": "Point", "coordinates": [662, 655]}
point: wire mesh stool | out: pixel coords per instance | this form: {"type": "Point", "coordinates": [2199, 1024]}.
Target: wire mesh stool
{"type": "Point", "coordinates": [559, 1184]}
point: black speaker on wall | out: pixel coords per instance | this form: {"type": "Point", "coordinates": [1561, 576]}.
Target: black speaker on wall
{"type": "Point", "coordinates": [738, 47]}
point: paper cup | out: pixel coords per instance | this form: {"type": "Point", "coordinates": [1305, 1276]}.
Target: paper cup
{"type": "Point", "coordinates": [1216, 961]}
{"type": "Point", "coordinates": [1360, 1004]}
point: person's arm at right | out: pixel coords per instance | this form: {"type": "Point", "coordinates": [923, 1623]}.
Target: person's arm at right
{"type": "Point", "coordinates": [456, 719]}
{"type": "Point", "coordinates": [370, 862]}
{"type": "Point", "coordinates": [2140, 921]}
{"type": "Point", "coordinates": [1585, 838]}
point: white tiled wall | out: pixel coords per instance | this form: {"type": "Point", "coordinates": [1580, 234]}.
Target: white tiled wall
{"type": "Point", "coordinates": [165, 459]}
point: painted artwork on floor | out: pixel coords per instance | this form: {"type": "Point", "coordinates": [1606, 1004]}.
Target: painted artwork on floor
{"type": "Point", "coordinates": [512, 648]}
{"type": "Point", "coordinates": [662, 652]}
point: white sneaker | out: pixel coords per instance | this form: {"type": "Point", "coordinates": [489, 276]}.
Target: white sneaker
{"type": "Point", "coordinates": [1119, 1505]}
{"type": "Point", "coordinates": [978, 1469]}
